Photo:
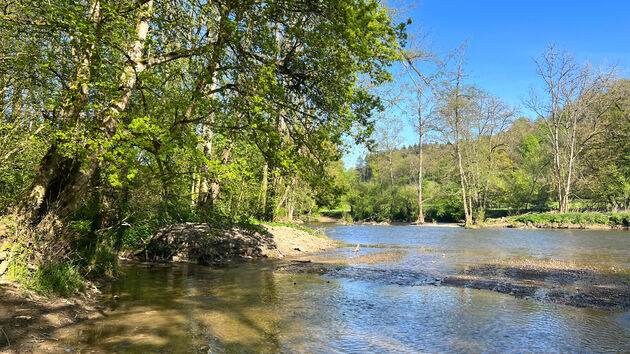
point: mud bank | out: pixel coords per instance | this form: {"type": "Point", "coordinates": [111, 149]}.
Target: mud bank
{"type": "Point", "coordinates": [28, 321]}
{"type": "Point", "coordinates": [213, 245]}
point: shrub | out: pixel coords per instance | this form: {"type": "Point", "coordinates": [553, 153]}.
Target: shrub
{"type": "Point", "coordinates": [576, 218]}
{"type": "Point", "coordinates": [620, 218]}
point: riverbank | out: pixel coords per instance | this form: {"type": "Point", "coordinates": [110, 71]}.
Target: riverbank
{"type": "Point", "coordinates": [210, 244]}
{"type": "Point", "coordinates": [27, 320]}
{"type": "Point", "coordinates": [583, 221]}
{"type": "Point", "coordinates": [586, 221]}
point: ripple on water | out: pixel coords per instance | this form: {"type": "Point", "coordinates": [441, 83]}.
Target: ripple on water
{"type": "Point", "coordinates": [382, 307]}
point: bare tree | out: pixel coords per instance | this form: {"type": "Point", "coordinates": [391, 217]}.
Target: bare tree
{"type": "Point", "coordinates": [389, 140]}
{"type": "Point", "coordinates": [424, 69]}
{"type": "Point", "coordinates": [570, 107]}
{"type": "Point", "coordinates": [455, 112]}
{"type": "Point", "coordinates": [494, 117]}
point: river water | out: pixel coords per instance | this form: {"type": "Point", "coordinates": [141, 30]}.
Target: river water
{"type": "Point", "coordinates": [382, 306]}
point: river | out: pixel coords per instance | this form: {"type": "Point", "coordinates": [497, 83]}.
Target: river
{"type": "Point", "coordinates": [389, 304]}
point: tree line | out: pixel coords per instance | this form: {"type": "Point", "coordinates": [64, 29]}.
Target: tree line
{"type": "Point", "coordinates": [573, 153]}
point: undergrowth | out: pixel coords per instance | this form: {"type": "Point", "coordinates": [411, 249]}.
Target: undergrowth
{"type": "Point", "coordinates": [91, 257]}
{"type": "Point", "coordinates": [53, 277]}
{"type": "Point", "coordinates": [612, 219]}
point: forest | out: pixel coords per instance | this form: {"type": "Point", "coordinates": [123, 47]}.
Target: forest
{"type": "Point", "coordinates": [119, 117]}
{"type": "Point", "coordinates": [509, 165]}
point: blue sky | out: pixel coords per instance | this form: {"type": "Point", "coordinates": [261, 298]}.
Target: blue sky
{"type": "Point", "coordinates": [504, 36]}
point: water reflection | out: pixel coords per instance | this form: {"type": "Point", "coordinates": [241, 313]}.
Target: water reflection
{"type": "Point", "coordinates": [253, 307]}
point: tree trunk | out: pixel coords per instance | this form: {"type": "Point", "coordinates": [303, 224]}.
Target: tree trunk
{"type": "Point", "coordinates": [462, 177]}
{"type": "Point", "coordinates": [61, 181]}
{"type": "Point", "coordinates": [420, 174]}
{"type": "Point", "coordinates": [291, 201]}
{"type": "Point", "coordinates": [263, 189]}
{"type": "Point", "coordinates": [214, 185]}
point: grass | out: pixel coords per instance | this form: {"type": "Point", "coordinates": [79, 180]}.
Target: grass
{"type": "Point", "coordinates": [60, 278]}
{"type": "Point", "coordinates": [55, 277]}
{"type": "Point", "coordinates": [338, 213]}
{"type": "Point", "coordinates": [287, 224]}
{"type": "Point", "coordinates": [611, 219]}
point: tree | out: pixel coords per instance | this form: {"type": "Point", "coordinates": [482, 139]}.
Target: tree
{"type": "Point", "coordinates": [143, 78]}
{"type": "Point", "coordinates": [425, 90]}
{"type": "Point", "coordinates": [570, 108]}
{"type": "Point", "coordinates": [455, 114]}
{"type": "Point", "coordinates": [492, 118]}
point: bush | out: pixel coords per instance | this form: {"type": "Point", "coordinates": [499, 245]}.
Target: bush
{"type": "Point", "coordinates": [576, 218]}
{"type": "Point", "coordinates": [620, 218]}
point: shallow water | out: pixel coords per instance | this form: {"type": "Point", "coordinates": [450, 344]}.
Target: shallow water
{"type": "Point", "coordinates": [254, 307]}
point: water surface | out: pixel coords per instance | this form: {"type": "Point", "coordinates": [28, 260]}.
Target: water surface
{"type": "Point", "coordinates": [255, 307]}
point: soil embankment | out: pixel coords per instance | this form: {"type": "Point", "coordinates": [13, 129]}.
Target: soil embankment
{"type": "Point", "coordinates": [212, 245]}
{"type": "Point", "coordinates": [27, 320]}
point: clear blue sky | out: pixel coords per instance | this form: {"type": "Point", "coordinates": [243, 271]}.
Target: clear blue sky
{"type": "Point", "coordinates": [505, 35]}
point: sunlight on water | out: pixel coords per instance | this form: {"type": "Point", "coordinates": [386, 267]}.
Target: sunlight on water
{"type": "Point", "coordinates": [254, 307]}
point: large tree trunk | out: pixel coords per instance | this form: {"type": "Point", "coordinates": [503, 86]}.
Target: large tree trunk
{"type": "Point", "coordinates": [61, 181]}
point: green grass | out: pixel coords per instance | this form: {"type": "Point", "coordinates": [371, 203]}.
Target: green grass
{"type": "Point", "coordinates": [287, 224]}
{"type": "Point", "coordinates": [61, 278]}
{"type": "Point", "coordinates": [337, 213]}
{"type": "Point", "coordinates": [612, 219]}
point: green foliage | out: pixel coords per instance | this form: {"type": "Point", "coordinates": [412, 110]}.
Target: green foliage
{"type": "Point", "coordinates": [52, 277]}
{"type": "Point", "coordinates": [18, 269]}
{"type": "Point", "coordinates": [251, 223]}
{"type": "Point", "coordinates": [60, 278]}
{"type": "Point", "coordinates": [622, 219]}
{"type": "Point", "coordinates": [95, 256]}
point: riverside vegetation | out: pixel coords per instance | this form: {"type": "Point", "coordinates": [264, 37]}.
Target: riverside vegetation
{"type": "Point", "coordinates": [118, 118]}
